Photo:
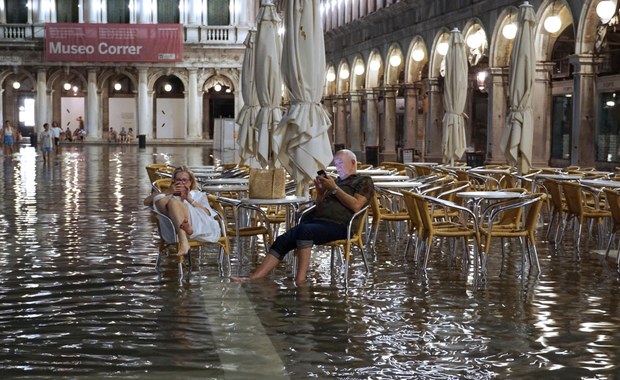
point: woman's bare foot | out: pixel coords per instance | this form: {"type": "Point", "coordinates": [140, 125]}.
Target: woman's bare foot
{"type": "Point", "coordinates": [183, 250]}
{"type": "Point", "coordinates": [185, 226]}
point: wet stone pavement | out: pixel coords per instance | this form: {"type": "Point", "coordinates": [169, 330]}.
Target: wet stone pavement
{"type": "Point", "coordinates": [81, 296]}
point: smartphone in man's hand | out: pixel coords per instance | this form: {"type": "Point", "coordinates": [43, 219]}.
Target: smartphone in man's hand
{"type": "Point", "coordinates": [322, 173]}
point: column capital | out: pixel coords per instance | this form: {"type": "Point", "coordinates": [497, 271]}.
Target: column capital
{"type": "Point", "coordinates": [585, 64]}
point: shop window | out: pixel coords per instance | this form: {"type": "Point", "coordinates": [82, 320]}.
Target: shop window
{"type": "Point", "coordinates": [67, 10]}
{"type": "Point", "coordinates": [607, 128]}
{"type": "Point", "coordinates": [168, 11]}
{"type": "Point", "coordinates": [218, 12]}
{"type": "Point", "coordinates": [118, 11]}
{"type": "Point", "coordinates": [16, 12]}
{"type": "Point", "coordinates": [561, 126]}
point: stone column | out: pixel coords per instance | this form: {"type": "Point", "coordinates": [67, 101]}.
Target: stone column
{"type": "Point", "coordinates": [355, 131]}
{"type": "Point", "coordinates": [142, 16]}
{"type": "Point", "coordinates": [542, 102]}
{"type": "Point", "coordinates": [3, 15]}
{"type": "Point", "coordinates": [193, 125]}
{"type": "Point", "coordinates": [144, 111]}
{"type": "Point", "coordinates": [90, 12]}
{"type": "Point", "coordinates": [583, 136]}
{"type": "Point", "coordinates": [341, 121]}
{"type": "Point", "coordinates": [497, 113]}
{"type": "Point", "coordinates": [40, 14]}
{"type": "Point", "coordinates": [41, 102]}
{"type": "Point", "coordinates": [434, 121]}
{"type": "Point", "coordinates": [411, 115]}
{"type": "Point", "coordinates": [388, 135]}
{"type": "Point", "coordinates": [93, 126]}
{"type": "Point", "coordinates": [371, 130]}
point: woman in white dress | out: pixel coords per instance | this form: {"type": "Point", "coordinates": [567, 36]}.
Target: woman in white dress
{"type": "Point", "coordinates": [188, 208]}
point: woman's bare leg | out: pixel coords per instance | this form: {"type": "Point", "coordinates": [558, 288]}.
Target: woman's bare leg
{"type": "Point", "coordinates": [177, 211]}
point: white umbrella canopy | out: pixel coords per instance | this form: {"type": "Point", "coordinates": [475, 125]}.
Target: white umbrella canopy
{"type": "Point", "coordinates": [454, 141]}
{"type": "Point", "coordinates": [268, 80]}
{"type": "Point", "coordinates": [247, 137]}
{"type": "Point", "coordinates": [518, 134]}
{"type": "Point", "coordinates": [301, 140]}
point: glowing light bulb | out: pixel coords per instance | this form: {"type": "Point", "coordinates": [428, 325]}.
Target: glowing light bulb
{"type": "Point", "coordinates": [509, 31]}
{"type": "Point", "coordinates": [417, 55]}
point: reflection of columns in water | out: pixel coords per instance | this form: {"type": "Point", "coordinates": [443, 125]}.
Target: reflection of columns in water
{"type": "Point", "coordinates": [541, 102]}
{"type": "Point", "coordinates": [583, 141]}
{"type": "Point", "coordinates": [341, 120]}
{"type": "Point", "coordinates": [496, 116]}
{"type": "Point", "coordinates": [411, 116]}
{"type": "Point", "coordinates": [93, 127]}
{"type": "Point", "coordinates": [355, 123]}
{"type": "Point", "coordinates": [372, 118]}
{"type": "Point", "coordinates": [434, 121]}
{"type": "Point", "coordinates": [193, 124]}
{"type": "Point", "coordinates": [41, 102]}
{"type": "Point", "coordinates": [388, 137]}
{"type": "Point", "coordinates": [144, 111]}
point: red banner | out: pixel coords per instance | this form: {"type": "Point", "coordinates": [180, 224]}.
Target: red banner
{"type": "Point", "coordinates": [113, 42]}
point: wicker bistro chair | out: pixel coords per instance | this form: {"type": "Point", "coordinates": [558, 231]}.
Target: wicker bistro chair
{"type": "Point", "coordinates": [500, 223]}
{"type": "Point", "coordinates": [386, 206]}
{"type": "Point", "coordinates": [160, 185]}
{"type": "Point", "coordinates": [613, 200]}
{"type": "Point", "coordinates": [578, 210]}
{"type": "Point", "coordinates": [154, 170]}
{"type": "Point", "coordinates": [169, 239]}
{"type": "Point", "coordinates": [464, 228]}
{"type": "Point", "coordinates": [557, 207]}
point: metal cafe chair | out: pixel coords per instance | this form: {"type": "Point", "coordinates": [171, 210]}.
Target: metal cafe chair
{"type": "Point", "coordinates": [463, 228]}
{"type": "Point", "coordinates": [613, 201]}
{"type": "Point", "coordinates": [355, 238]}
{"type": "Point", "coordinates": [169, 239]}
{"type": "Point", "coordinates": [578, 210]}
{"type": "Point", "coordinates": [499, 225]}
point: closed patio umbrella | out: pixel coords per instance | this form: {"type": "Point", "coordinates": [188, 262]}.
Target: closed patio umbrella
{"type": "Point", "coordinates": [517, 136]}
{"type": "Point", "coordinates": [268, 79]}
{"type": "Point", "coordinates": [301, 139]}
{"type": "Point", "coordinates": [454, 96]}
{"type": "Point", "coordinates": [246, 119]}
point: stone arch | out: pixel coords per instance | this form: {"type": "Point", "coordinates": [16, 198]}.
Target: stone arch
{"type": "Point", "coordinates": [393, 72]}
{"type": "Point", "coordinates": [436, 58]}
{"type": "Point", "coordinates": [374, 71]}
{"type": "Point", "coordinates": [17, 72]}
{"type": "Point", "coordinates": [66, 73]}
{"type": "Point", "coordinates": [501, 46]}
{"type": "Point", "coordinates": [330, 80]}
{"type": "Point", "coordinates": [343, 77]}
{"type": "Point", "coordinates": [474, 31]}
{"type": "Point", "coordinates": [105, 76]}
{"type": "Point", "coordinates": [586, 34]}
{"type": "Point", "coordinates": [545, 41]}
{"type": "Point", "coordinates": [358, 77]}
{"type": "Point", "coordinates": [413, 68]}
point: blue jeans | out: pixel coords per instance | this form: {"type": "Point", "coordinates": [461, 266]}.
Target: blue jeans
{"type": "Point", "coordinates": [306, 234]}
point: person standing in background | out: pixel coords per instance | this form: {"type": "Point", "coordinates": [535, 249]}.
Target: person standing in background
{"type": "Point", "coordinates": [46, 142]}
{"type": "Point", "coordinates": [56, 134]}
{"type": "Point", "coordinates": [9, 135]}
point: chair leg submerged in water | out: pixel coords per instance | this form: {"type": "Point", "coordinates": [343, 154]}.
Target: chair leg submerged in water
{"type": "Point", "coordinates": [168, 235]}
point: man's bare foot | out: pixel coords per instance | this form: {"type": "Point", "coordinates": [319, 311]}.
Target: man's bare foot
{"type": "Point", "coordinates": [185, 226]}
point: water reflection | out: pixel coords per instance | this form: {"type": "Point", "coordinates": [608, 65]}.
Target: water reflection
{"type": "Point", "coordinates": [80, 296]}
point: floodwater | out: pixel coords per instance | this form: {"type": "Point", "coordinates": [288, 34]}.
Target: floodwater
{"type": "Point", "coordinates": [81, 296]}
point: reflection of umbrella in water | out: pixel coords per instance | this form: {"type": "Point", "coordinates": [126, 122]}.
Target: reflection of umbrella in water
{"type": "Point", "coordinates": [301, 139]}
{"type": "Point", "coordinates": [454, 96]}
{"type": "Point", "coordinates": [247, 116]}
{"type": "Point", "coordinates": [517, 136]}
{"type": "Point", "coordinates": [267, 55]}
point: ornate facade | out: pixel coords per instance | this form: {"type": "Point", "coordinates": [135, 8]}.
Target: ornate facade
{"type": "Point", "coordinates": [385, 78]}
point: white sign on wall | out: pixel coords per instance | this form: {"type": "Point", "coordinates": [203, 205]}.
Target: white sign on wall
{"type": "Point", "coordinates": [170, 119]}
{"type": "Point", "coordinates": [72, 109]}
{"type": "Point", "coordinates": [122, 114]}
